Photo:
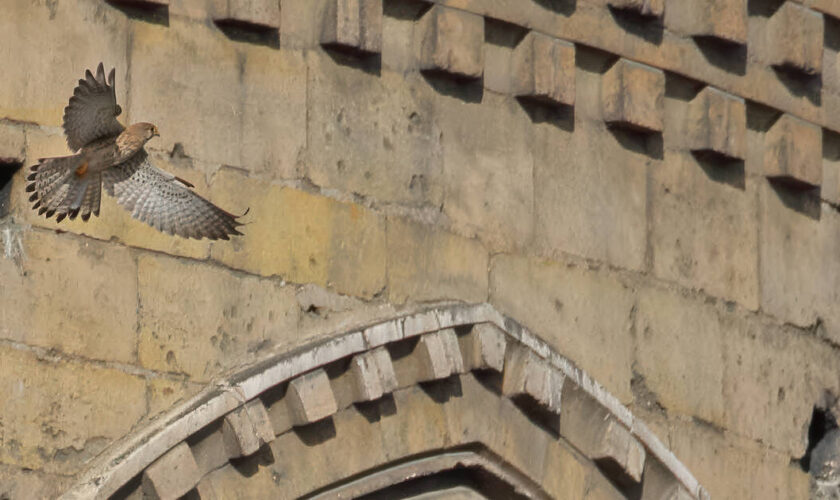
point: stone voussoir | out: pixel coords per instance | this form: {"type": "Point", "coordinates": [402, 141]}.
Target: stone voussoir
{"type": "Point", "coordinates": [246, 429]}
{"type": "Point", "coordinates": [483, 348]}
{"type": "Point", "coordinates": [172, 475]}
{"type": "Point", "coordinates": [373, 375]}
{"type": "Point", "coordinates": [310, 398]}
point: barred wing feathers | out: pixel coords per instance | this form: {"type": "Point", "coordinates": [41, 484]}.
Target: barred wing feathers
{"type": "Point", "coordinates": [93, 110]}
{"type": "Point", "coordinates": [166, 203]}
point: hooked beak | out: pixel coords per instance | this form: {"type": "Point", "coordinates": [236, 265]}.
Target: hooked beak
{"type": "Point", "coordinates": [155, 132]}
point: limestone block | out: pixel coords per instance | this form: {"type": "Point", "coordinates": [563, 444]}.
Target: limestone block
{"type": "Point", "coordinates": [703, 232]}
{"type": "Point", "coordinates": [619, 446]}
{"type": "Point", "coordinates": [261, 13]}
{"type": "Point", "coordinates": [12, 144]}
{"type": "Point", "coordinates": [633, 96]}
{"type": "Point", "coordinates": [722, 19]}
{"type": "Point", "coordinates": [373, 375]}
{"type": "Point", "coordinates": [63, 409]}
{"type": "Point", "coordinates": [48, 278]}
{"type": "Point", "coordinates": [204, 332]}
{"type": "Point", "coordinates": [544, 69]}
{"type": "Point", "coordinates": [310, 398]}
{"type": "Point", "coordinates": [527, 374]}
{"type": "Point", "coordinates": [381, 139]}
{"type": "Point", "coordinates": [660, 484]}
{"type": "Point", "coordinates": [426, 263]}
{"type": "Point", "coordinates": [795, 38]}
{"type": "Point", "coordinates": [563, 305]}
{"type": "Point", "coordinates": [247, 428]}
{"type": "Point", "coordinates": [719, 122]}
{"type": "Point", "coordinates": [438, 357]}
{"type": "Point", "coordinates": [683, 358]}
{"type": "Point", "coordinates": [451, 41]}
{"type": "Point", "coordinates": [329, 243]}
{"type": "Point", "coordinates": [355, 25]}
{"type": "Point", "coordinates": [452, 350]}
{"type": "Point", "coordinates": [210, 451]}
{"type": "Point", "coordinates": [653, 8]}
{"type": "Point", "coordinates": [42, 85]}
{"type": "Point", "coordinates": [383, 333]}
{"type": "Point", "coordinates": [829, 7]}
{"type": "Point", "coordinates": [484, 348]}
{"type": "Point", "coordinates": [793, 152]}
{"type": "Point", "coordinates": [172, 475]}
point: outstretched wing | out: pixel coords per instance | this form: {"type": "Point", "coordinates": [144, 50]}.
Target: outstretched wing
{"type": "Point", "coordinates": [93, 110]}
{"type": "Point", "coordinates": [165, 202]}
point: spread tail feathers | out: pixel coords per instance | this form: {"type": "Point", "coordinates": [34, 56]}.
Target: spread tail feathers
{"type": "Point", "coordinates": [64, 187]}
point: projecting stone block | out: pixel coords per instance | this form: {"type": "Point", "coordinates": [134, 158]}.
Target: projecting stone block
{"type": "Point", "coordinates": [12, 144]}
{"type": "Point", "coordinates": [527, 374]}
{"type": "Point", "coordinates": [354, 25]}
{"type": "Point", "coordinates": [420, 323]}
{"type": "Point", "coordinates": [260, 13]}
{"type": "Point", "coordinates": [438, 356]}
{"type": "Point", "coordinates": [452, 42]}
{"type": "Point", "coordinates": [793, 152]}
{"type": "Point", "coordinates": [310, 398]}
{"type": "Point", "coordinates": [653, 8]}
{"type": "Point", "coordinates": [661, 484]}
{"type": "Point", "coordinates": [722, 19]}
{"type": "Point", "coordinates": [246, 429]}
{"type": "Point", "coordinates": [373, 375]}
{"type": "Point", "coordinates": [544, 69]}
{"type": "Point", "coordinates": [633, 96]}
{"type": "Point", "coordinates": [597, 434]}
{"type": "Point", "coordinates": [795, 38]}
{"type": "Point", "coordinates": [484, 348]}
{"type": "Point", "coordinates": [172, 475]}
{"type": "Point", "coordinates": [719, 123]}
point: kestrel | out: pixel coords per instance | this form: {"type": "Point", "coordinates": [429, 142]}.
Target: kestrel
{"type": "Point", "coordinates": [111, 155]}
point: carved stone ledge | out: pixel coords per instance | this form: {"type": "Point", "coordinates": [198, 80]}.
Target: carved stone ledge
{"type": "Point", "coordinates": [451, 42]}
{"type": "Point", "coordinates": [353, 25]}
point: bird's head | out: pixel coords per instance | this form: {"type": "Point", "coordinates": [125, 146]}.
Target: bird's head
{"type": "Point", "coordinates": [145, 130]}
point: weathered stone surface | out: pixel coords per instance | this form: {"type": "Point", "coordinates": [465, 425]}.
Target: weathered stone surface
{"type": "Point", "coordinates": [265, 116]}
{"type": "Point", "coordinates": [792, 282]}
{"type": "Point", "coordinates": [163, 393]}
{"type": "Point", "coordinates": [436, 356]}
{"type": "Point", "coordinates": [223, 318]}
{"type": "Point", "coordinates": [382, 139]}
{"type": "Point", "coordinates": [584, 314]}
{"type": "Point", "coordinates": [577, 209]}
{"type": "Point", "coordinates": [732, 467]}
{"type": "Point", "coordinates": [793, 151]}
{"type": "Point", "coordinates": [680, 353]}
{"type": "Point", "coordinates": [722, 19]}
{"type": "Point", "coordinates": [262, 13]}
{"type": "Point", "coordinates": [68, 293]}
{"type": "Point", "coordinates": [633, 96]}
{"type": "Point", "coordinates": [247, 428]}
{"type": "Point", "coordinates": [703, 230]}
{"type": "Point", "coordinates": [327, 242]}
{"type": "Point", "coordinates": [43, 86]}
{"type": "Point", "coordinates": [429, 264]}
{"type": "Point", "coordinates": [12, 143]}
{"type": "Point", "coordinates": [564, 476]}
{"type": "Point", "coordinates": [771, 382]}
{"type": "Point", "coordinates": [172, 475]}
{"type": "Point", "coordinates": [18, 482]}
{"type": "Point", "coordinates": [310, 398]}
{"type": "Point", "coordinates": [373, 375]}
{"type": "Point", "coordinates": [488, 165]}
{"type": "Point", "coordinates": [653, 8]}
{"type": "Point", "coordinates": [451, 41]}
{"type": "Point", "coordinates": [527, 374]}
{"type": "Point", "coordinates": [484, 348]}
{"type": "Point", "coordinates": [353, 24]}
{"type": "Point", "coordinates": [619, 446]}
{"type": "Point", "coordinates": [58, 414]}
{"type": "Point", "coordinates": [794, 38]}
{"type": "Point", "coordinates": [719, 122]}
{"type": "Point", "coordinates": [543, 68]}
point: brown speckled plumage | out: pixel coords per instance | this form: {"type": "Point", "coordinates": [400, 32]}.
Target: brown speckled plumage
{"type": "Point", "coordinates": [114, 156]}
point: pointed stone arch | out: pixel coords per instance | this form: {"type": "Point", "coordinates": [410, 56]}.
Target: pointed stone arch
{"type": "Point", "coordinates": [452, 400]}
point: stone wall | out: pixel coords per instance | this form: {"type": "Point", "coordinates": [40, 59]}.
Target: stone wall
{"type": "Point", "coordinates": [651, 187]}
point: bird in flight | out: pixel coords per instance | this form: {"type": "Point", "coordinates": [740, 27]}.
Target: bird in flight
{"type": "Point", "coordinates": [111, 155]}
